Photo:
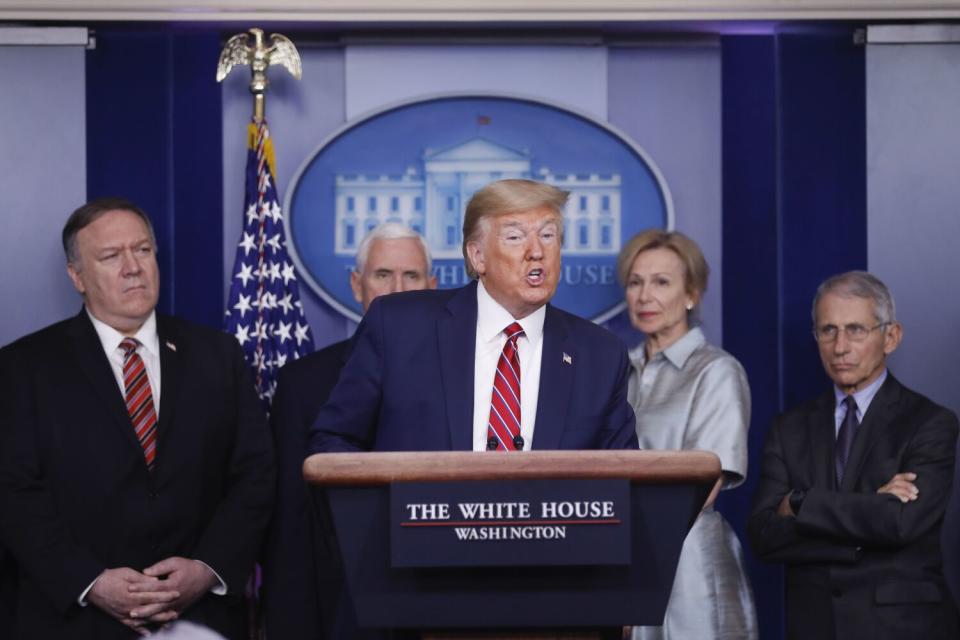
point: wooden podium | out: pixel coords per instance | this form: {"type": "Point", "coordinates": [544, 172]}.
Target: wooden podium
{"type": "Point", "coordinates": [666, 492]}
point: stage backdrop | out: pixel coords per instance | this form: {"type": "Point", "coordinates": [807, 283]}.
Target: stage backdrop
{"type": "Point", "coordinates": [913, 227]}
{"type": "Point", "coordinates": [43, 158]}
{"type": "Point", "coordinates": [677, 125]}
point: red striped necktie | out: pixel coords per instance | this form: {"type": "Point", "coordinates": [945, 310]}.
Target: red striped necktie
{"type": "Point", "coordinates": [139, 400]}
{"type": "Point", "coordinates": [503, 428]}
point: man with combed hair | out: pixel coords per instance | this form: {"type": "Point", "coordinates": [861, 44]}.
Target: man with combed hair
{"type": "Point", "coordinates": [136, 470]}
{"type": "Point", "coordinates": [390, 258]}
{"type": "Point", "coordinates": [492, 365]}
{"type": "Point", "coordinates": [853, 485]}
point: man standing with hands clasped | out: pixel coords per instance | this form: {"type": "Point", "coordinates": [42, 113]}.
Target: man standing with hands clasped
{"type": "Point", "coordinates": [853, 485]}
{"type": "Point", "coordinates": [136, 470]}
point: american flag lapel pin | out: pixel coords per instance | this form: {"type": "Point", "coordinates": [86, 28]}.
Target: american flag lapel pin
{"type": "Point", "coordinates": [567, 359]}
{"type": "Point", "coordinates": [171, 346]}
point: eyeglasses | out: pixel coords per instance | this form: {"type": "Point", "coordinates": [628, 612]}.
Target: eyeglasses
{"type": "Point", "coordinates": [852, 332]}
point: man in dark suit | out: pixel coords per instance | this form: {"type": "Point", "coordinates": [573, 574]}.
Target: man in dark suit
{"type": "Point", "coordinates": [8, 593]}
{"type": "Point", "coordinates": [390, 258]}
{"type": "Point", "coordinates": [490, 366]}
{"type": "Point", "coordinates": [136, 470]}
{"type": "Point", "coordinates": [853, 485]}
{"type": "Point", "coordinates": [950, 538]}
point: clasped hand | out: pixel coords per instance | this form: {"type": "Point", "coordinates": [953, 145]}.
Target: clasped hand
{"type": "Point", "coordinates": [156, 596]}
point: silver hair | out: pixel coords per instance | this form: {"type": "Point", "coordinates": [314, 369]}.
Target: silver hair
{"type": "Point", "coordinates": [389, 231]}
{"type": "Point", "coordinates": [859, 284]}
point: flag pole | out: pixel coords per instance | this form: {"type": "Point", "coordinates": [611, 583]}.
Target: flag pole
{"type": "Point", "coordinates": [264, 312]}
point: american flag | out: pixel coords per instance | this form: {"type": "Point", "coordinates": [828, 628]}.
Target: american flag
{"type": "Point", "coordinates": [264, 311]}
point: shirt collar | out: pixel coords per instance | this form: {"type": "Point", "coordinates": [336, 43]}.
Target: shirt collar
{"type": "Point", "coordinates": [492, 318]}
{"type": "Point", "coordinates": [682, 349]}
{"type": "Point", "coordinates": [865, 396]}
{"type": "Point", "coordinates": [678, 353]}
{"type": "Point", "coordinates": [110, 338]}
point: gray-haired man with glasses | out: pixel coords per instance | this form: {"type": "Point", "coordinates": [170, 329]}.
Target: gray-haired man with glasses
{"type": "Point", "coordinates": [854, 484]}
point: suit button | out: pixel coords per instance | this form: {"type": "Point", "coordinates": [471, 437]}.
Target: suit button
{"type": "Point", "coordinates": [153, 495]}
{"type": "Point", "coordinates": [837, 593]}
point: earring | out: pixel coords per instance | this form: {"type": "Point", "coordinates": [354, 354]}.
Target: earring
{"type": "Point", "coordinates": [689, 306]}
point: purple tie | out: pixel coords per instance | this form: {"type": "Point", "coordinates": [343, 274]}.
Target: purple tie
{"type": "Point", "coordinates": [848, 429]}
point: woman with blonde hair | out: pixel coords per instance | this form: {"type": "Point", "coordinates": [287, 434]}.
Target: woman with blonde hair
{"type": "Point", "coordinates": [689, 394]}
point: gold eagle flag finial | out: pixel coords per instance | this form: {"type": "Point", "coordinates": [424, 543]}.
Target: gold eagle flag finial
{"type": "Point", "coordinates": [259, 55]}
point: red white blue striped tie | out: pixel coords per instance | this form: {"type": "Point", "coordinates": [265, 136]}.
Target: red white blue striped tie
{"type": "Point", "coordinates": [139, 400]}
{"type": "Point", "coordinates": [503, 428]}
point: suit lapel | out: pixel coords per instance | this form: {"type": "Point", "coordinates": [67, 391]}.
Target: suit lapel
{"type": "Point", "coordinates": [878, 417]}
{"type": "Point", "coordinates": [556, 379]}
{"type": "Point", "coordinates": [456, 342]}
{"type": "Point", "coordinates": [823, 441]}
{"type": "Point", "coordinates": [97, 370]}
{"type": "Point", "coordinates": [170, 363]}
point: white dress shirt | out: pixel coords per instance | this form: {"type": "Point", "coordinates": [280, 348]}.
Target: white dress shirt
{"type": "Point", "coordinates": [492, 319]}
{"type": "Point", "coordinates": [863, 398]}
{"type": "Point", "coordinates": [149, 351]}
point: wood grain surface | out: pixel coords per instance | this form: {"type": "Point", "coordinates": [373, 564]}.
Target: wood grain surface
{"type": "Point", "coordinates": [364, 469]}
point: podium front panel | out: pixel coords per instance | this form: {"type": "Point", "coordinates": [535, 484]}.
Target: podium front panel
{"type": "Point", "coordinates": [512, 597]}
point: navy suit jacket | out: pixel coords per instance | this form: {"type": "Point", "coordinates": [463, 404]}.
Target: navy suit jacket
{"type": "Point", "coordinates": [408, 385]}
{"type": "Point", "coordinates": [859, 564]}
{"type": "Point", "coordinates": [75, 493]}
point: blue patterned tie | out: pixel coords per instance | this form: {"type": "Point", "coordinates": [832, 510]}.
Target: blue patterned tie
{"type": "Point", "coordinates": [848, 429]}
